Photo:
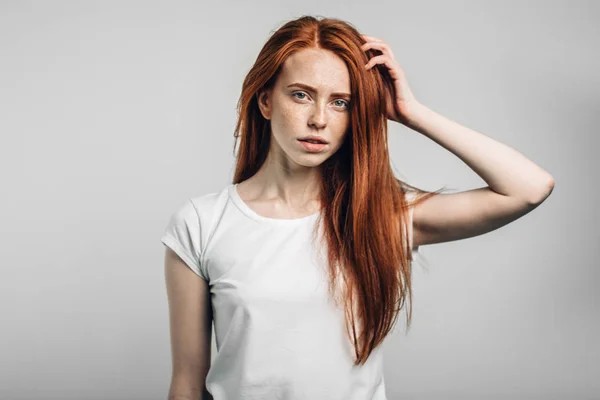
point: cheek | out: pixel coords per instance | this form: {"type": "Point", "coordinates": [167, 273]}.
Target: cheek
{"type": "Point", "coordinates": [341, 126]}
{"type": "Point", "coordinates": [290, 116]}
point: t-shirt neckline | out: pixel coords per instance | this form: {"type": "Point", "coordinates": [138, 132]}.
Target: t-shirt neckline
{"type": "Point", "coordinates": [249, 212]}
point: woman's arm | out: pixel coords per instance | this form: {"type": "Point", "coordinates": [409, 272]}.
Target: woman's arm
{"type": "Point", "coordinates": [190, 315]}
{"type": "Point", "coordinates": [516, 185]}
{"type": "Point", "coordinates": [504, 169]}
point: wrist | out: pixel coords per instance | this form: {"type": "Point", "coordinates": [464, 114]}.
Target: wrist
{"type": "Point", "coordinates": [415, 112]}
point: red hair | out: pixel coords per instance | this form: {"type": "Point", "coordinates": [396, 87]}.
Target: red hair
{"type": "Point", "coordinates": [364, 212]}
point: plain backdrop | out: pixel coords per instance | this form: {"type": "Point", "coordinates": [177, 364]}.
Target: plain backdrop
{"type": "Point", "coordinates": [113, 113]}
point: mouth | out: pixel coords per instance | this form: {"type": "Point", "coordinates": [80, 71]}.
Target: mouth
{"type": "Point", "coordinates": [311, 141]}
{"type": "Point", "coordinates": [312, 146]}
{"type": "Point", "coordinates": [314, 140]}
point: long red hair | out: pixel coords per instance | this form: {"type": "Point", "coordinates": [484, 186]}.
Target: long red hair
{"type": "Point", "coordinates": [364, 212]}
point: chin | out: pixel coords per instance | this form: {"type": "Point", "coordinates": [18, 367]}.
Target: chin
{"type": "Point", "coordinates": [312, 160]}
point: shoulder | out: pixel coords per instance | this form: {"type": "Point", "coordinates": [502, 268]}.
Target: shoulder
{"type": "Point", "coordinates": [410, 195]}
{"type": "Point", "coordinates": [197, 212]}
{"type": "Point", "coordinates": [207, 207]}
{"type": "Point", "coordinates": [189, 227]}
{"type": "Point", "coordinates": [208, 201]}
{"type": "Point", "coordinates": [196, 207]}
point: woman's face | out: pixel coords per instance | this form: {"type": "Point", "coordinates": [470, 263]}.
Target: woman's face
{"type": "Point", "coordinates": [296, 111]}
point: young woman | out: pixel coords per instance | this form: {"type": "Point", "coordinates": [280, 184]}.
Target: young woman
{"type": "Point", "coordinates": [304, 262]}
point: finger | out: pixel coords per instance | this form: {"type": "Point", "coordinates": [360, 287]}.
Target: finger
{"type": "Point", "coordinates": [376, 60]}
{"type": "Point", "coordinates": [394, 70]}
{"type": "Point", "coordinates": [384, 47]}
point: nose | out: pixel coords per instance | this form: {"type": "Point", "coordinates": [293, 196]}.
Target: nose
{"type": "Point", "coordinates": [318, 118]}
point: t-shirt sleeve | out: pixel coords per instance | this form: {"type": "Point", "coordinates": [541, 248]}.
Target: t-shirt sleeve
{"type": "Point", "coordinates": [183, 236]}
{"type": "Point", "coordinates": [410, 196]}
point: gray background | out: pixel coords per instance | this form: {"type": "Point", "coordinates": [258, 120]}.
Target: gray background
{"type": "Point", "coordinates": [115, 112]}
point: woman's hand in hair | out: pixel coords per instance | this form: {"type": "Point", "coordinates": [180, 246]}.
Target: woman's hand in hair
{"type": "Point", "coordinates": [400, 101]}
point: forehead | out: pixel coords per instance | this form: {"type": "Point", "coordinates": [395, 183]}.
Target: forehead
{"type": "Point", "coordinates": [319, 68]}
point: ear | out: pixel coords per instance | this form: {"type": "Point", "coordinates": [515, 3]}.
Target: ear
{"type": "Point", "coordinates": [264, 103]}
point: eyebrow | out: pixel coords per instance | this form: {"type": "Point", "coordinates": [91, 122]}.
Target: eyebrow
{"type": "Point", "coordinates": [302, 85]}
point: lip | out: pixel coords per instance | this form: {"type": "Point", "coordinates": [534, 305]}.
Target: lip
{"type": "Point", "coordinates": [315, 138]}
{"type": "Point", "coordinates": [313, 147]}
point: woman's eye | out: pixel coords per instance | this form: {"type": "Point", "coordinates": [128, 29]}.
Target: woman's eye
{"type": "Point", "coordinates": [344, 103]}
{"type": "Point", "coordinates": [293, 94]}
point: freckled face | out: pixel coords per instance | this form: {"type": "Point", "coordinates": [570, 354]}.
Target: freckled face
{"type": "Point", "coordinates": [297, 111]}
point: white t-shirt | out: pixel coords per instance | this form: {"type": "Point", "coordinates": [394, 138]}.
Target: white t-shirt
{"type": "Point", "coordinates": [278, 334]}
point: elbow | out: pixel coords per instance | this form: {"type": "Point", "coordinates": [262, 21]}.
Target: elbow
{"type": "Point", "coordinates": [543, 193]}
